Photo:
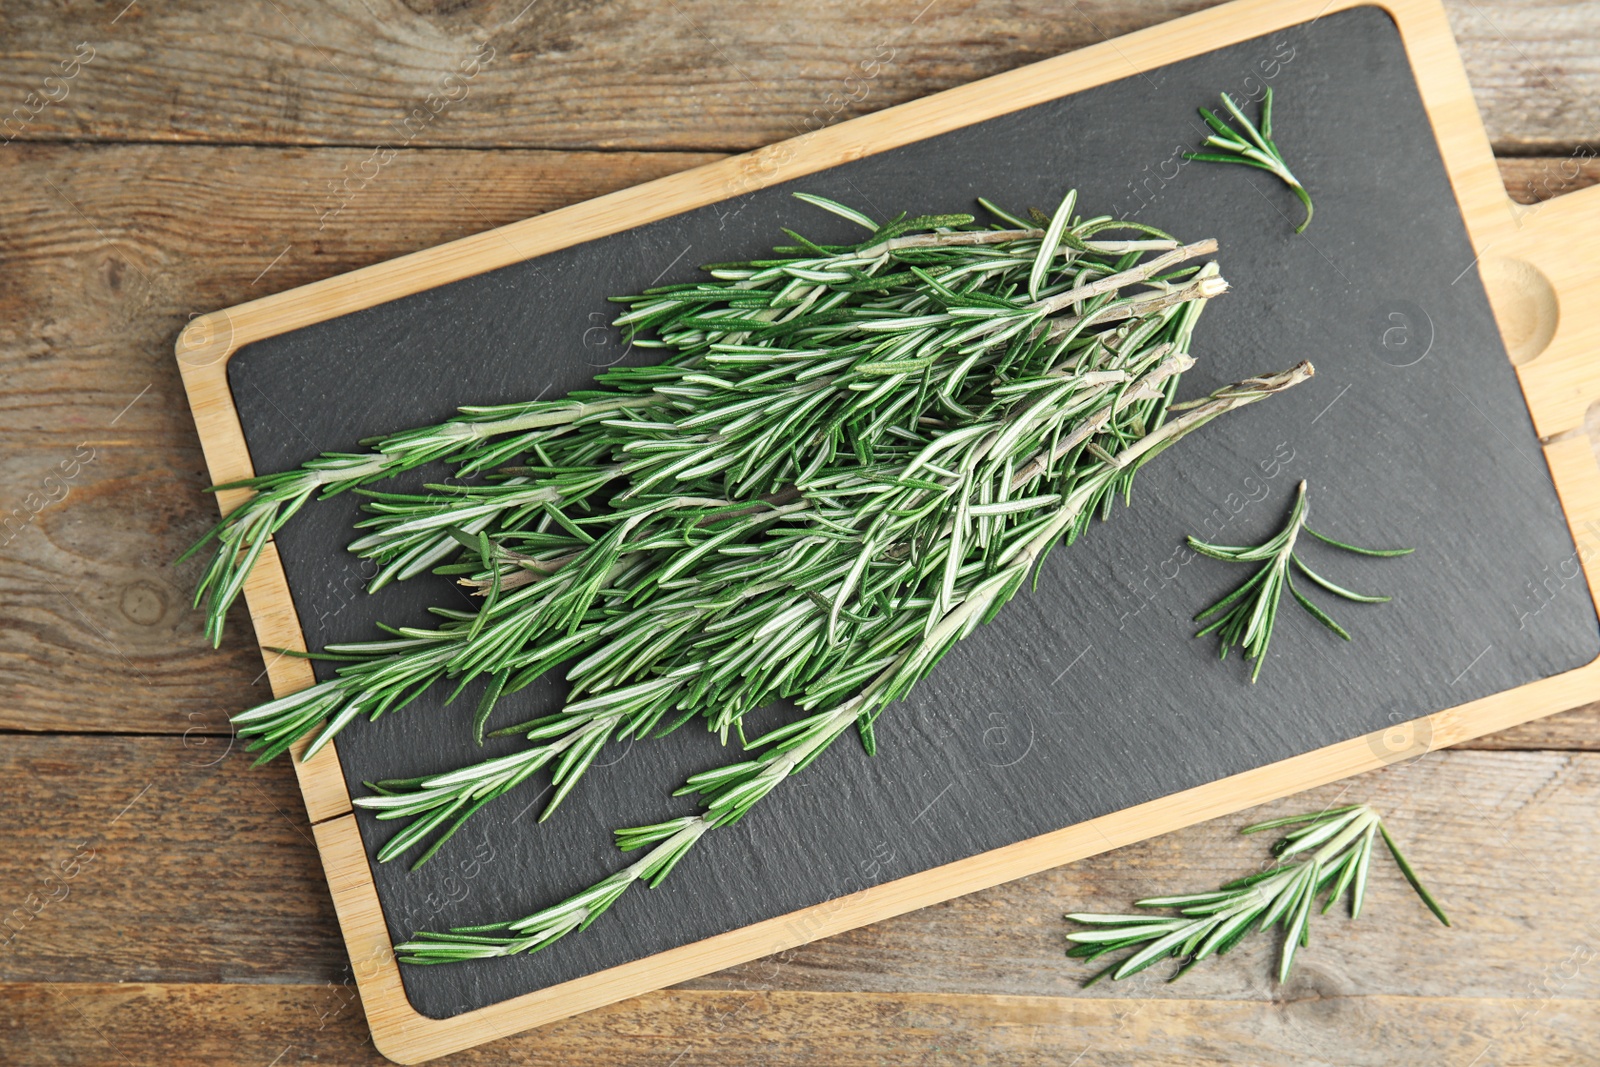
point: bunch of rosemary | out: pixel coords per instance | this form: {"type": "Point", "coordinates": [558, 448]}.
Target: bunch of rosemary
{"type": "Point", "coordinates": [851, 457]}
{"type": "Point", "coordinates": [782, 372]}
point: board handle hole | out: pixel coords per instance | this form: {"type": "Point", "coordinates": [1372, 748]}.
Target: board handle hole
{"type": "Point", "coordinates": [1525, 305]}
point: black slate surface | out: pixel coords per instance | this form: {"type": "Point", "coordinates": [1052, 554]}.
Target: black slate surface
{"type": "Point", "coordinates": [1087, 696]}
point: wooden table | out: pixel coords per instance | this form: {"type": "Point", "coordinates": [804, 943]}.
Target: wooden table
{"type": "Point", "coordinates": [165, 903]}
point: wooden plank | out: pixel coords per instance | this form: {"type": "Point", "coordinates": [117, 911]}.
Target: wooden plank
{"type": "Point", "coordinates": [1532, 180]}
{"type": "Point", "coordinates": [283, 1025]}
{"type": "Point", "coordinates": [85, 332]}
{"type": "Point", "coordinates": [166, 859]}
{"type": "Point", "coordinates": [693, 74]}
{"type": "Point", "coordinates": [209, 876]}
{"type": "Point", "coordinates": [976, 979]}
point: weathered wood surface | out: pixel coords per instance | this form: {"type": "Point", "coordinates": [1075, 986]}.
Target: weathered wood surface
{"type": "Point", "coordinates": [204, 896]}
{"type": "Point", "coordinates": [689, 74]}
{"type": "Point", "coordinates": [173, 910]}
{"type": "Point", "coordinates": [101, 268]}
{"type": "Point", "coordinates": [281, 1025]}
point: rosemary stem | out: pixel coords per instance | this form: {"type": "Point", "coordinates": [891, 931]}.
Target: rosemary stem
{"type": "Point", "coordinates": [1147, 388]}
{"type": "Point", "coordinates": [478, 431]}
{"type": "Point", "coordinates": [964, 238]}
{"type": "Point", "coordinates": [1201, 288]}
{"type": "Point", "coordinates": [378, 464]}
{"type": "Point", "coordinates": [1112, 282]}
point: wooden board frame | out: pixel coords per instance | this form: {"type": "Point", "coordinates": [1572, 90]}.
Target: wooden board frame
{"type": "Point", "coordinates": [1546, 298]}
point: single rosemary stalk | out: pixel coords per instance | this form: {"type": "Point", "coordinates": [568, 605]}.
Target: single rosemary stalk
{"type": "Point", "coordinates": [1253, 148]}
{"type": "Point", "coordinates": [1210, 924]}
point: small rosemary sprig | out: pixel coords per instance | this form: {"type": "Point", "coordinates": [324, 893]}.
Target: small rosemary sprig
{"type": "Point", "coordinates": [1209, 924]}
{"type": "Point", "coordinates": [1252, 609]}
{"type": "Point", "coordinates": [1254, 149]}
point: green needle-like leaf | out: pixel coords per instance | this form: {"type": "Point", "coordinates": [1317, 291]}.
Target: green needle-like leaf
{"type": "Point", "coordinates": [1411, 876]}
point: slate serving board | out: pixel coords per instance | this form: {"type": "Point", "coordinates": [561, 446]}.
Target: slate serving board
{"type": "Point", "coordinates": [1087, 696]}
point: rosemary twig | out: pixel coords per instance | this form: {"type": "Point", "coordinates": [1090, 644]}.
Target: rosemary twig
{"type": "Point", "coordinates": [1249, 613]}
{"type": "Point", "coordinates": [1254, 148]}
{"type": "Point", "coordinates": [1208, 924]}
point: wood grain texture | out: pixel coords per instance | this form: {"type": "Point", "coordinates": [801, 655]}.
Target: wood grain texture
{"type": "Point", "coordinates": [163, 859]}
{"type": "Point", "coordinates": [101, 272]}
{"type": "Point", "coordinates": [692, 74]}
{"type": "Point", "coordinates": [140, 1023]}
{"type": "Point", "coordinates": [977, 979]}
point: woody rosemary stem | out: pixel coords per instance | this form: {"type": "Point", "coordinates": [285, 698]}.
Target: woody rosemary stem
{"type": "Point", "coordinates": [731, 791]}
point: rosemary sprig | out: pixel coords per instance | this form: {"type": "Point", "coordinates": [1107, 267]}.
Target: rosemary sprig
{"type": "Point", "coordinates": [731, 791]}
{"type": "Point", "coordinates": [1255, 148]}
{"type": "Point", "coordinates": [1249, 613]}
{"type": "Point", "coordinates": [1208, 924]}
